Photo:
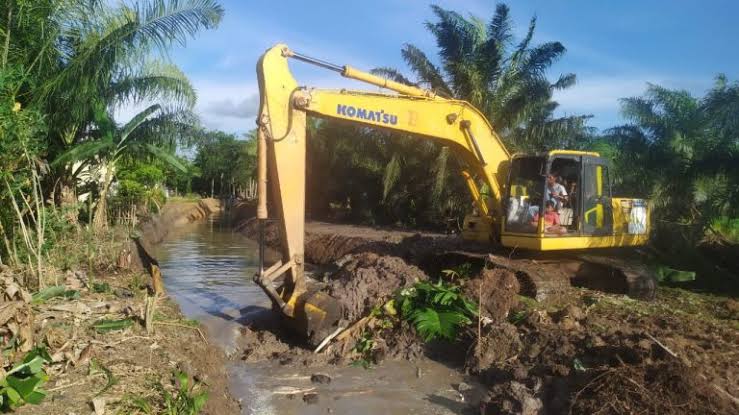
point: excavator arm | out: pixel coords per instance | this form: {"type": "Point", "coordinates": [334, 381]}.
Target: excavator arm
{"type": "Point", "coordinates": [282, 146]}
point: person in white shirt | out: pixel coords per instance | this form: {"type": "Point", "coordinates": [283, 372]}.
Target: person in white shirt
{"type": "Point", "coordinates": [555, 192]}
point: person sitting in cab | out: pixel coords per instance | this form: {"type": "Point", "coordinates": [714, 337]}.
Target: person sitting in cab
{"type": "Point", "coordinates": [555, 192]}
{"type": "Point", "coordinates": [551, 219]}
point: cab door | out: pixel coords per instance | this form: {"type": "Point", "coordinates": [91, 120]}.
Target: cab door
{"type": "Point", "coordinates": [597, 218]}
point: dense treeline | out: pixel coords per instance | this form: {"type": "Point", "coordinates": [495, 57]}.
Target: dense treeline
{"type": "Point", "coordinates": [66, 66]}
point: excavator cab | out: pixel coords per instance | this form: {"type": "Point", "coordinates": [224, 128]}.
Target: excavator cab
{"type": "Point", "coordinates": [581, 214]}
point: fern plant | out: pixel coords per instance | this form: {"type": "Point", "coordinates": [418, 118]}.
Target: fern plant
{"type": "Point", "coordinates": [437, 311]}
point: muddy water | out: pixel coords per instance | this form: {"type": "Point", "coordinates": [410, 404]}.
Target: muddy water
{"type": "Point", "coordinates": [207, 269]}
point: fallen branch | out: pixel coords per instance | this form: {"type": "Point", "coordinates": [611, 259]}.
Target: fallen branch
{"type": "Point", "coordinates": [354, 327]}
{"type": "Point", "coordinates": [328, 339]}
{"type": "Point", "coordinates": [667, 349]}
{"type": "Point", "coordinates": [726, 393]}
{"type": "Point", "coordinates": [108, 345]}
{"type": "Point", "coordinates": [69, 385]}
{"type": "Point", "coordinates": [200, 332]}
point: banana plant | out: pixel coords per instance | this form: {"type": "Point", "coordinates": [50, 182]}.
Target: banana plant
{"type": "Point", "coordinates": [150, 133]}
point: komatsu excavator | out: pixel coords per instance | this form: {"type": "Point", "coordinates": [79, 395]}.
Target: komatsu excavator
{"type": "Point", "coordinates": [507, 215]}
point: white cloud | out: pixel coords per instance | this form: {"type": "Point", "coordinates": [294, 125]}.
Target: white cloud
{"type": "Point", "coordinates": [594, 94]}
{"type": "Point", "coordinates": [600, 95]}
{"type": "Point", "coordinates": [246, 108]}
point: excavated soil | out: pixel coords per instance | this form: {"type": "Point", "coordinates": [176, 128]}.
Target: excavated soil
{"type": "Point", "coordinates": [367, 279]}
{"type": "Point", "coordinates": [581, 352]}
{"type": "Point", "coordinates": [605, 358]}
{"type": "Point", "coordinates": [495, 290]}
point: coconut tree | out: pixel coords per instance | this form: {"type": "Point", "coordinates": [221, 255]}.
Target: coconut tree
{"type": "Point", "coordinates": [150, 133]}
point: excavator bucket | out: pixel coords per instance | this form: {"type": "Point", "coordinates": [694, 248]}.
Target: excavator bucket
{"type": "Point", "coordinates": [281, 179]}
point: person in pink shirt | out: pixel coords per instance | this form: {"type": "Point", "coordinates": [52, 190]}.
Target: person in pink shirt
{"type": "Point", "coordinates": [551, 219]}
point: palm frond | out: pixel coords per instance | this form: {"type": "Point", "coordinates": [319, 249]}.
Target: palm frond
{"type": "Point", "coordinates": [391, 175]}
{"type": "Point", "coordinates": [166, 128]}
{"type": "Point", "coordinates": [565, 81]}
{"type": "Point", "coordinates": [491, 53]}
{"type": "Point", "coordinates": [154, 81]}
{"type": "Point", "coordinates": [426, 71]}
{"type": "Point", "coordinates": [136, 121]}
{"type": "Point", "coordinates": [542, 57]}
{"type": "Point", "coordinates": [162, 22]}
{"type": "Point", "coordinates": [392, 74]}
{"type": "Point", "coordinates": [499, 29]}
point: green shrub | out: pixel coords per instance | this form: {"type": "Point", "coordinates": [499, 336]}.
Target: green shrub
{"type": "Point", "coordinates": [188, 400]}
{"type": "Point", "coordinates": [437, 311]}
{"type": "Point", "coordinates": [727, 228]}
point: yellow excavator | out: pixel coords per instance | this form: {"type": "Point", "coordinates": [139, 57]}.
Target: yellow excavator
{"type": "Point", "coordinates": [518, 186]}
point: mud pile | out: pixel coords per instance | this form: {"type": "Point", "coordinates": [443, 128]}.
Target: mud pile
{"type": "Point", "coordinates": [495, 290]}
{"type": "Point", "coordinates": [367, 280]}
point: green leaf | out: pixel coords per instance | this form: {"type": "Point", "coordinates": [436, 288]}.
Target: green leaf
{"type": "Point", "coordinates": [389, 308]}
{"type": "Point", "coordinates": [199, 401]}
{"type": "Point", "coordinates": [30, 367]}
{"type": "Point", "coordinates": [54, 291]}
{"type": "Point", "coordinates": [25, 387]}
{"type": "Point", "coordinates": [427, 323]}
{"type": "Point", "coordinates": [13, 395]}
{"type": "Point", "coordinates": [47, 293]}
{"type": "Point", "coordinates": [100, 287]}
{"type": "Point", "coordinates": [35, 397]}
{"type": "Point", "coordinates": [110, 325]}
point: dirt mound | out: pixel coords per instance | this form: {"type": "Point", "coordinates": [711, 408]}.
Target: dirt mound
{"type": "Point", "coordinates": [497, 344]}
{"type": "Point", "coordinates": [667, 387]}
{"type": "Point", "coordinates": [250, 229]}
{"type": "Point", "coordinates": [368, 279]}
{"type": "Point", "coordinates": [261, 345]}
{"type": "Point", "coordinates": [604, 358]}
{"type": "Point", "coordinates": [325, 249]}
{"type": "Point", "coordinates": [242, 210]}
{"type": "Point", "coordinates": [495, 290]}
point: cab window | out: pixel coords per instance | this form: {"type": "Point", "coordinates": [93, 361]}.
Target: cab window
{"type": "Point", "coordinates": [525, 189]}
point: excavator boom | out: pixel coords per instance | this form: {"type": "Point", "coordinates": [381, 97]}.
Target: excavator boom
{"type": "Point", "coordinates": [282, 146]}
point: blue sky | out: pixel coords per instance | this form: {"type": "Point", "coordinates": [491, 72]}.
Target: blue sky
{"type": "Point", "coordinates": [614, 47]}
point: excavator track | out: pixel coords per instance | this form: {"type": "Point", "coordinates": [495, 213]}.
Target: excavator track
{"type": "Point", "coordinates": [543, 276]}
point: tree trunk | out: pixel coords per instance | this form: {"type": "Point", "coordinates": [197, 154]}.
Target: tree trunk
{"type": "Point", "coordinates": [100, 220]}
{"type": "Point", "coordinates": [68, 200]}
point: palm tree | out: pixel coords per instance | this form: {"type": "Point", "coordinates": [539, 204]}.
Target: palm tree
{"type": "Point", "coordinates": [683, 150]}
{"type": "Point", "coordinates": [149, 133]}
{"type": "Point", "coordinates": [480, 64]}
{"type": "Point", "coordinates": [114, 56]}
